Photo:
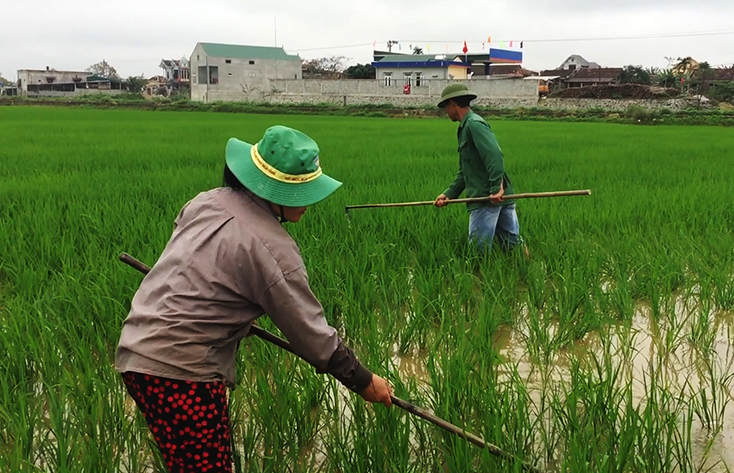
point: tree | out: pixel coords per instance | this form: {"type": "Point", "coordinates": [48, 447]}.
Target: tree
{"type": "Point", "coordinates": [635, 75]}
{"type": "Point", "coordinates": [360, 71]}
{"type": "Point", "coordinates": [667, 78]}
{"type": "Point", "coordinates": [417, 50]}
{"type": "Point", "coordinates": [723, 92]}
{"type": "Point", "coordinates": [324, 68]}
{"type": "Point", "coordinates": [103, 69]}
{"type": "Point", "coordinates": [3, 80]}
{"type": "Point", "coordinates": [703, 75]}
{"type": "Point", "coordinates": [135, 84]}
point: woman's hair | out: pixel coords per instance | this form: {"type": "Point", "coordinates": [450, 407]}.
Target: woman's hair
{"type": "Point", "coordinates": [230, 180]}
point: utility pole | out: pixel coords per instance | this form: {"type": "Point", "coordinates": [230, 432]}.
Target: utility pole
{"type": "Point", "coordinates": [390, 44]}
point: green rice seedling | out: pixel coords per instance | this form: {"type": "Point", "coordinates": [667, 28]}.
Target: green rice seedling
{"type": "Point", "coordinates": [713, 396]}
{"type": "Point", "coordinates": [544, 358]}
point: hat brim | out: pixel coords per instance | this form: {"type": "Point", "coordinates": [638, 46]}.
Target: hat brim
{"type": "Point", "coordinates": [303, 194]}
{"type": "Point", "coordinates": [460, 93]}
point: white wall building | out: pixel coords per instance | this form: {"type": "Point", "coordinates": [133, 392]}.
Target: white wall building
{"type": "Point", "coordinates": [577, 62]}
{"type": "Point", "coordinates": [228, 72]}
{"type": "Point", "coordinates": [53, 83]}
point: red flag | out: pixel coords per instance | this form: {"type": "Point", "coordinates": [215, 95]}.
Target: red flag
{"type": "Point", "coordinates": [465, 49]}
{"type": "Point", "coordinates": [510, 43]}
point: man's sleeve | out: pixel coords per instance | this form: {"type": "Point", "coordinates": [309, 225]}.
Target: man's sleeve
{"type": "Point", "coordinates": [490, 152]}
{"type": "Point", "coordinates": [456, 187]}
{"type": "Point", "coordinates": [294, 309]}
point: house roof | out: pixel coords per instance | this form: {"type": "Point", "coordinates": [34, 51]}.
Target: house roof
{"type": "Point", "coordinates": [557, 72]}
{"type": "Point", "coordinates": [723, 74]}
{"type": "Point", "coordinates": [420, 60]}
{"type": "Point", "coordinates": [595, 75]}
{"type": "Point", "coordinates": [577, 59]}
{"type": "Point", "coordinates": [96, 78]}
{"type": "Point", "coordinates": [419, 57]}
{"type": "Point", "coordinates": [539, 78]}
{"type": "Point", "coordinates": [53, 71]}
{"type": "Point", "coordinates": [505, 69]}
{"type": "Point", "coordinates": [247, 52]}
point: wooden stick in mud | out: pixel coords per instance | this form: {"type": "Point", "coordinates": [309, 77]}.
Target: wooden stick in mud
{"type": "Point", "coordinates": [531, 195]}
{"type": "Point", "coordinates": [405, 405]}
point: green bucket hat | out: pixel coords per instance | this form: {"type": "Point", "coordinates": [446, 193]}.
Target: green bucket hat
{"type": "Point", "coordinates": [283, 167]}
{"type": "Point", "coordinates": [455, 90]}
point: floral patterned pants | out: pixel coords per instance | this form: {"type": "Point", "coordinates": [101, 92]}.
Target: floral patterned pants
{"type": "Point", "coordinates": [188, 419]}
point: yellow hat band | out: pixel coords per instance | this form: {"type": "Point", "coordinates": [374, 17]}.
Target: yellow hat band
{"type": "Point", "coordinates": [270, 171]}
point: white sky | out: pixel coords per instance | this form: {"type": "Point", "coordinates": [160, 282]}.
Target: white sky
{"type": "Point", "coordinates": [134, 35]}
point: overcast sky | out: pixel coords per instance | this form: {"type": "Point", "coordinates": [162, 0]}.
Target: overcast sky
{"type": "Point", "coordinates": [134, 35]}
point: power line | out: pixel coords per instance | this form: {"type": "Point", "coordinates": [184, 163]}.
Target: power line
{"type": "Point", "coordinates": [548, 40]}
{"type": "Point", "coordinates": [336, 47]}
{"type": "Point", "coordinates": [607, 38]}
{"type": "Point", "coordinates": [649, 36]}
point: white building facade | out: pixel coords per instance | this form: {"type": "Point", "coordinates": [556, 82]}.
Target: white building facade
{"type": "Point", "coordinates": [229, 73]}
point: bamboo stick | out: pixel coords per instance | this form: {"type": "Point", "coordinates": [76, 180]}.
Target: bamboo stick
{"type": "Point", "coordinates": [531, 195]}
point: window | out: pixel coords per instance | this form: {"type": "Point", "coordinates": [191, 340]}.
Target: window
{"type": "Point", "coordinates": [251, 62]}
{"type": "Point", "coordinates": [213, 74]}
{"type": "Point", "coordinates": [228, 61]}
{"type": "Point", "coordinates": [387, 76]}
{"type": "Point", "coordinates": [407, 78]}
{"type": "Point", "coordinates": [418, 78]}
{"type": "Point", "coordinates": [202, 75]}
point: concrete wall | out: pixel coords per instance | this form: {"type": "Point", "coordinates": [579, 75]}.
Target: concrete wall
{"type": "Point", "coordinates": [76, 93]}
{"type": "Point", "coordinates": [375, 91]}
{"type": "Point", "coordinates": [613, 104]}
{"type": "Point", "coordinates": [237, 80]}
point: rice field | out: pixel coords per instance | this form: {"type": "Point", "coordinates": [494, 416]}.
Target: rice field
{"type": "Point", "coordinates": [609, 351]}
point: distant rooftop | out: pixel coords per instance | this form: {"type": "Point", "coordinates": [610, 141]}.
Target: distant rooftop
{"type": "Point", "coordinates": [247, 52]}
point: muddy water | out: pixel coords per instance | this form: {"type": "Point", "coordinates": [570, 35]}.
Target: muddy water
{"type": "Point", "coordinates": [673, 349]}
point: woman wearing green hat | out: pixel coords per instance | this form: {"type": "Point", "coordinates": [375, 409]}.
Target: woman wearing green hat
{"type": "Point", "coordinates": [481, 174]}
{"type": "Point", "coordinates": [228, 262]}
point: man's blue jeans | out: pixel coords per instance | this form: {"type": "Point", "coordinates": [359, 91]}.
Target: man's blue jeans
{"type": "Point", "coordinates": [487, 222]}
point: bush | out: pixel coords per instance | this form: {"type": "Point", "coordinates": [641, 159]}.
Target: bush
{"type": "Point", "coordinates": [640, 115]}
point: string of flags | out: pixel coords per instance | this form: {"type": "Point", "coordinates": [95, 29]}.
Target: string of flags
{"type": "Point", "coordinates": [512, 44]}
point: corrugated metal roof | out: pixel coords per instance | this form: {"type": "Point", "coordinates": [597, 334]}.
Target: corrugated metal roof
{"type": "Point", "coordinates": [247, 52]}
{"type": "Point", "coordinates": [608, 73]}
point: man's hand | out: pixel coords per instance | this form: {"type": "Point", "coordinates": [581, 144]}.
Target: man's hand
{"type": "Point", "coordinates": [497, 198]}
{"type": "Point", "coordinates": [441, 201]}
{"type": "Point", "coordinates": [377, 391]}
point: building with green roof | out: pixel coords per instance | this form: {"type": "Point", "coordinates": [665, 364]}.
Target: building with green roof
{"type": "Point", "coordinates": [230, 72]}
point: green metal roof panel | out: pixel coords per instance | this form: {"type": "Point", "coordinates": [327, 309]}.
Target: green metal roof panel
{"type": "Point", "coordinates": [247, 52]}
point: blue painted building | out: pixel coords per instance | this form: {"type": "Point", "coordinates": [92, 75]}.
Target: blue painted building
{"type": "Point", "coordinates": [415, 69]}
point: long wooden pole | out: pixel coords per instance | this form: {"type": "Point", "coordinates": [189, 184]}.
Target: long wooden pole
{"type": "Point", "coordinates": [531, 195]}
{"type": "Point", "coordinates": [405, 405]}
